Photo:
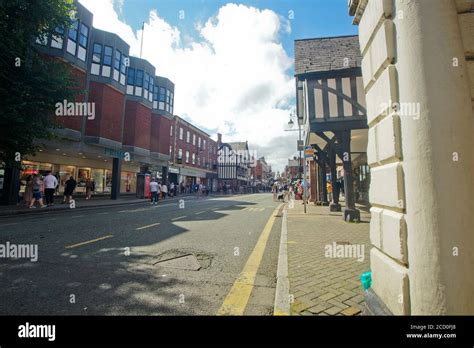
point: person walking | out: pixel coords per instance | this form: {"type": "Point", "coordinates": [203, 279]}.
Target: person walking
{"type": "Point", "coordinates": [154, 191]}
{"type": "Point", "coordinates": [88, 188]}
{"type": "Point", "coordinates": [50, 183]}
{"type": "Point", "coordinates": [70, 186]}
{"type": "Point", "coordinates": [164, 190]}
{"type": "Point", "coordinates": [329, 190]}
{"type": "Point", "coordinates": [37, 193]}
{"type": "Point", "coordinates": [172, 193]}
{"type": "Point", "coordinates": [28, 190]}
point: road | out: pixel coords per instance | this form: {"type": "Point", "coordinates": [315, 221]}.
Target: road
{"type": "Point", "coordinates": [103, 261]}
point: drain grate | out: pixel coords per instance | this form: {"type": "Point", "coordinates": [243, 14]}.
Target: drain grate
{"type": "Point", "coordinates": [186, 262]}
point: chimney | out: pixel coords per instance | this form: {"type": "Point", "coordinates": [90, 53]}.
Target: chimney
{"type": "Point", "coordinates": [219, 139]}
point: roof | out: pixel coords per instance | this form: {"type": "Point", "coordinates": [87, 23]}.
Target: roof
{"type": "Point", "coordinates": [327, 53]}
{"type": "Point", "coordinates": [239, 146]}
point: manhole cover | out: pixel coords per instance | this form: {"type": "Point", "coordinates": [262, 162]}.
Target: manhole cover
{"type": "Point", "coordinates": [187, 262]}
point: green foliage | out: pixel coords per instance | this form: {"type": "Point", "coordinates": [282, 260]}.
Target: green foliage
{"type": "Point", "coordinates": [30, 82]}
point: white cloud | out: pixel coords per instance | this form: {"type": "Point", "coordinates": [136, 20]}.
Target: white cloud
{"type": "Point", "coordinates": [233, 78]}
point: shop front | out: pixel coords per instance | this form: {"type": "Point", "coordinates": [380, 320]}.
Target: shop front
{"type": "Point", "coordinates": [81, 169]}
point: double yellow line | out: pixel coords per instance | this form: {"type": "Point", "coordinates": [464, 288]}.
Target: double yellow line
{"type": "Point", "coordinates": [238, 296]}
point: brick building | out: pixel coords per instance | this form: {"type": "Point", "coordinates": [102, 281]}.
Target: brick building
{"type": "Point", "coordinates": [128, 132]}
{"type": "Point", "coordinates": [193, 155]}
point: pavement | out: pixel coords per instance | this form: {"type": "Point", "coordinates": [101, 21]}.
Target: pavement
{"type": "Point", "coordinates": [325, 261]}
{"type": "Point", "coordinates": [81, 202]}
{"type": "Point", "coordinates": [140, 259]}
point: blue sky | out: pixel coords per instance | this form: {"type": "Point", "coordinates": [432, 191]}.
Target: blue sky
{"type": "Point", "coordinates": [312, 18]}
{"type": "Point", "coordinates": [232, 67]}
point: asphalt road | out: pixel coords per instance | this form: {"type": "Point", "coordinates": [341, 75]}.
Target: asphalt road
{"type": "Point", "coordinates": [102, 261]}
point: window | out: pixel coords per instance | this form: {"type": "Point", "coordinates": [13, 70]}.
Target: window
{"type": "Point", "coordinates": [187, 156]}
{"type": "Point", "coordinates": [108, 55]}
{"type": "Point", "coordinates": [139, 78]}
{"type": "Point", "coordinates": [57, 37]}
{"type": "Point", "coordinates": [180, 154]}
{"type": "Point", "coordinates": [204, 144]}
{"type": "Point", "coordinates": [170, 149]}
{"type": "Point", "coordinates": [162, 94]}
{"type": "Point", "coordinates": [73, 30]}
{"type": "Point", "coordinates": [181, 133]}
{"type": "Point", "coordinates": [118, 57]}
{"type": "Point", "coordinates": [131, 76]}
{"type": "Point", "coordinates": [97, 53]}
{"type": "Point", "coordinates": [194, 158]}
{"type": "Point", "coordinates": [188, 137]}
{"type": "Point", "coordinates": [199, 161]}
{"type": "Point", "coordinates": [147, 81]}
{"type": "Point", "coordinates": [84, 35]}
{"type": "Point", "coordinates": [151, 84]}
{"type": "Point", "coordinates": [199, 142]}
{"type": "Point", "coordinates": [171, 130]}
{"type": "Point", "coordinates": [155, 93]}
{"type": "Point", "coordinates": [123, 67]}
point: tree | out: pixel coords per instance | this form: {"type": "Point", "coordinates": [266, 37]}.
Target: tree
{"type": "Point", "coordinates": [30, 82]}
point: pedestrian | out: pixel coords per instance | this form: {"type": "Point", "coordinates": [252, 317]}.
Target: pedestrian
{"type": "Point", "coordinates": [329, 190]}
{"type": "Point", "coordinates": [70, 186]}
{"type": "Point", "coordinates": [274, 191]}
{"type": "Point", "coordinates": [164, 190]}
{"type": "Point", "coordinates": [154, 191]}
{"type": "Point", "coordinates": [50, 183]}
{"type": "Point", "coordinates": [28, 190]}
{"type": "Point", "coordinates": [88, 188]}
{"type": "Point", "coordinates": [37, 193]}
{"type": "Point", "coordinates": [172, 190]}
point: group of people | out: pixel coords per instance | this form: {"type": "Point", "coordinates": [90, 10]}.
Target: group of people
{"type": "Point", "coordinates": [34, 185]}
{"type": "Point", "coordinates": [282, 191]}
{"type": "Point", "coordinates": [159, 191]}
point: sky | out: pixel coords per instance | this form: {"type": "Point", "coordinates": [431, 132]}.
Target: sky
{"type": "Point", "coordinates": [232, 62]}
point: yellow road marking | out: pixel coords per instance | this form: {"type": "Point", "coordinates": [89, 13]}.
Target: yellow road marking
{"type": "Point", "coordinates": [147, 226]}
{"type": "Point", "coordinates": [238, 296]}
{"type": "Point", "coordinates": [88, 242]}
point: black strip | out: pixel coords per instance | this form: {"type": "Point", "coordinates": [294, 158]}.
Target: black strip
{"type": "Point", "coordinates": [325, 99]}
{"type": "Point", "coordinates": [355, 111]}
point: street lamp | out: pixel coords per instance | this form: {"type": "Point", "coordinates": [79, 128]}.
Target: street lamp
{"type": "Point", "coordinates": [291, 124]}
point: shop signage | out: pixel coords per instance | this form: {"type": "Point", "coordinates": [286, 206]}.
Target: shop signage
{"type": "Point", "coordinates": [309, 152]}
{"type": "Point", "coordinates": [193, 172]}
{"type": "Point", "coordinates": [173, 170]}
{"type": "Point", "coordinates": [118, 154]}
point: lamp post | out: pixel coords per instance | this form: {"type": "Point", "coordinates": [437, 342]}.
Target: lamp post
{"type": "Point", "coordinates": [300, 164]}
{"type": "Point", "coordinates": [290, 124]}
